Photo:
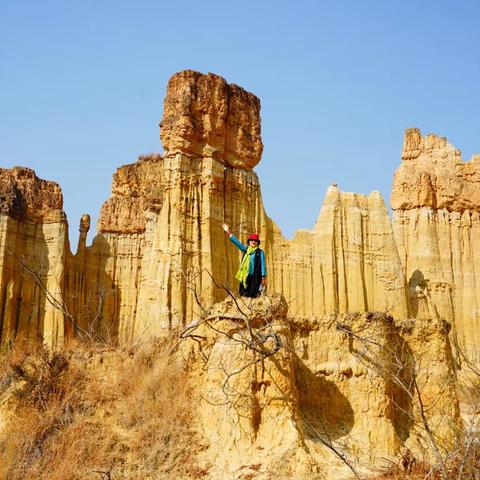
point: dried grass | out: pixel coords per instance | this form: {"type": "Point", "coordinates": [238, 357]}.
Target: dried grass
{"type": "Point", "coordinates": [89, 413]}
{"type": "Point", "coordinates": [464, 465]}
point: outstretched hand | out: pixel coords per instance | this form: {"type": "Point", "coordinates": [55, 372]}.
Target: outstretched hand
{"type": "Point", "coordinates": [226, 228]}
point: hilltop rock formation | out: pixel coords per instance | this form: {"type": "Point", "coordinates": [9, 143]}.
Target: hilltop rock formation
{"type": "Point", "coordinates": [160, 232]}
{"type": "Point", "coordinates": [348, 263]}
{"type": "Point", "coordinates": [33, 235]}
{"type": "Point", "coordinates": [136, 189]}
{"type": "Point", "coordinates": [160, 260]}
{"type": "Point", "coordinates": [434, 175]}
{"type": "Point", "coordinates": [160, 236]}
{"type": "Point", "coordinates": [436, 200]}
{"type": "Point", "coordinates": [205, 117]}
{"type": "Point", "coordinates": [27, 198]}
{"type": "Point", "coordinates": [332, 380]}
{"type": "Point", "coordinates": [161, 229]}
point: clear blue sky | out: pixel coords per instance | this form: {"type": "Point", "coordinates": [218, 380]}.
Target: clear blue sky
{"type": "Point", "coordinates": [82, 86]}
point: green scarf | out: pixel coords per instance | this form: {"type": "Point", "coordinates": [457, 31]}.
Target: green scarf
{"type": "Point", "coordinates": [242, 273]}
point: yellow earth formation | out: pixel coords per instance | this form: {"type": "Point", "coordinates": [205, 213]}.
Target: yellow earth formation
{"type": "Point", "coordinates": [161, 261]}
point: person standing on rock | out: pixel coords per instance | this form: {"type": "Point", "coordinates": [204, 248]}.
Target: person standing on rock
{"type": "Point", "coordinates": [252, 273]}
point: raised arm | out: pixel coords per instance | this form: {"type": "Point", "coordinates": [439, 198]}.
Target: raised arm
{"type": "Point", "coordinates": [234, 239]}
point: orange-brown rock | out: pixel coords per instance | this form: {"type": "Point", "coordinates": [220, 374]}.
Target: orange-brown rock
{"type": "Point", "coordinates": [436, 220]}
{"type": "Point", "coordinates": [25, 197]}
{"type": "Point", "coordinates": [204, 116]}
{"type": "Point", "coordinates": [433, 174]}
{"type": "Point", "coordinates": [136, 188]}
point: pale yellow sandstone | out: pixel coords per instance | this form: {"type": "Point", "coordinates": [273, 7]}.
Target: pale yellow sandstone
{"type": "Point", "coordinates": [331, 383]}
{"type": "Point", "coordinates": [436, 199]}
{"type": "Point", "coordinates": [160, 260]}
{"type": "Point", "coordinates": [164, 249]}
{"type": "Point", "coordinates": [432, 363]}
{"type": "Point", "coordinates": [33, 242]}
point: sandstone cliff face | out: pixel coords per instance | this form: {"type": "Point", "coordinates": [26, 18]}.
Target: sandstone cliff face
{"type": "Point", "coordinates": [204, 116]}
{"type": "Point", "coordinates": [434, 175]}
{"type": "Point", "coordinates": [332, 383]}
{"type": "Point", "coordinates": [159, 233]}
{"type": "Point", "coordinates": [105, 277]}
{"type": "Point", "coordinates": [158, 243]}
{"type": "Point", "coordinates": [249, 410]}
{"type": "Point", "coordinates": [435, 200]}
{"type": "Point", "coordinates": [27, 198]}
{"type": "Point", "coordinates": [33, 236]}
{"type": "Point", "coordinates": [171, 209]}
{"type": "Point", "coordinates": [161, 229]}
{"type": "Point", "coordinates": [160, 260]}
{"type": "Point", "coordinates": [348, 263]}
{"type": "Point", "coordinates": [429, 362]}
{"type": "Point", "coordinates": [136, 188]}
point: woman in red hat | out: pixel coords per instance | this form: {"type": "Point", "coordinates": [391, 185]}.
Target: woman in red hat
{"type": "Point", "coordinates": [252, 273]}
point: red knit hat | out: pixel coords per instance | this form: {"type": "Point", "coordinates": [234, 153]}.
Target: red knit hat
{"type": "Point", "coordinates": [254, 236]}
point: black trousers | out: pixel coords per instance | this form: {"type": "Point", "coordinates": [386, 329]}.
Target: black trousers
{"type": "Point", "coordinates": [253, 287]}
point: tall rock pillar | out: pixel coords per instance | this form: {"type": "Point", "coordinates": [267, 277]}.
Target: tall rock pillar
{"type": "Point", "coordinates": [436, 203]}
{"type": "Point", "coordinates": [33, 245]}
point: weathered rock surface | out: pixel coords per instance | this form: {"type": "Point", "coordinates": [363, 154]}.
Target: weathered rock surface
{"type": "Point", "coordinates": [427, 355]}
{"type": "Point", "coordinates": [136, 188]}
{"type": "Point", "coordinates": [160, 236]}
{"type": "Point", "coordinates": [250, 401]}
{"type": "Point", "coordinates": [332, 379]}
{"type": "Point", "coordinates": [33, 236]}
{"type": "Point", "coordinates": [161, 229]}
{"type": "Point", "coordinates": [204, 116]}
{"type": "Point", "coordinates": [348, 263]}
{"type": "Point", "coordinates": [434, 175]}
{"type": "Point", "coordinates": [161, 260]}
{"type": "Point", "coordinates": [436, 200]}
{"type": "Point", "coordinates": [25, 197]}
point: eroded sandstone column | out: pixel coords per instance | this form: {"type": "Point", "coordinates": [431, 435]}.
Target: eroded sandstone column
{"type": "Point", "coordinates": [33, 243]}
{"type": "Point", "coordinates": [163, 223]}
{"type": "Point", "coordinates": [435, 201]}
{"type": "Point", "coordinates": [348, 263]}
{"type": "Point", "coordinates": [172, 207]}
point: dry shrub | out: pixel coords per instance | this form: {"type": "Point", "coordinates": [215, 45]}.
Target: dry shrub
{"type": "Point", "coordinates": [44, 392]}
{"type": "Point", "coordinates": [155, 417]}
{"type": "Point", "coordinates": [89, 413]}
{"type": "Point", "coordinates": [418, 472]}
{"type": "Point", "coordinates": [463, 465]}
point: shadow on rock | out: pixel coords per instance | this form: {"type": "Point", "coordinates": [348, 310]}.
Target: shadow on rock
{"type": "Point", "coordinates": [326, 413]}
